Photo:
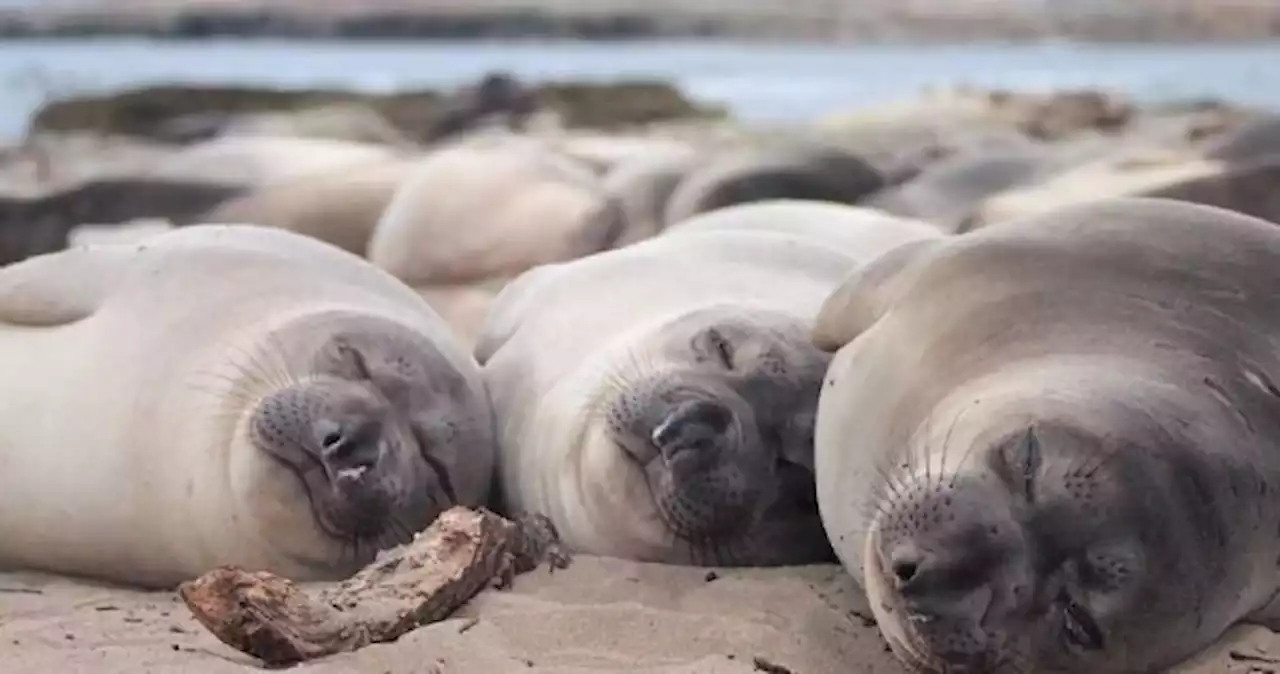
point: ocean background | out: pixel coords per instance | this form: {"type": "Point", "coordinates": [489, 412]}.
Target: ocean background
{"type": "Point", "coordinates": [772, 82]}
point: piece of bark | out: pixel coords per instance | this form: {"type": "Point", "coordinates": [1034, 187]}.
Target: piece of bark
{"type": "Point", "coordinates": [420, 582]}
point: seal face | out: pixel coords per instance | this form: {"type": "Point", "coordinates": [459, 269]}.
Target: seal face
{"type": "Point", "coordinates": [1031, 469]}
{"type": "Point", "coordinates": [724, 437]}
{"type": "Point", "coordinates": [369, 434]}
{"type": "Point", "coordinates": [1051, 547]}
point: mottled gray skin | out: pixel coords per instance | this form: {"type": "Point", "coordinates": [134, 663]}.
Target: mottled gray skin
{"type": "Point", "coordinates": [372, 434]}
{"type": "Point", "coordinates": [1245, 187]}
{"type": "Point", "coordinates": [726, 439]}
{"type": "Point", "coordinates": [803, 172]}
{"type": "Point", "coordinates": [1255, 140]}
{"type": "Point", "coordinates": [1054, 445]}
{"type": "Point", "coordinates": [947, 191]}
{"type": "Point", "coordinates": [637, 194]}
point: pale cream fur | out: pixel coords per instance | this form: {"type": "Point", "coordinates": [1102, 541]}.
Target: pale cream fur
{"type": "Point", "coordinates": [488, 208]}
{"type": "Point", "coordinates": [557, 337]}
{"type": "Point", "coordinates": [129, 379]}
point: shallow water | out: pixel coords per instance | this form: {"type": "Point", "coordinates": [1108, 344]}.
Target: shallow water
{"type": "Point", "coordinates": [766, 82]}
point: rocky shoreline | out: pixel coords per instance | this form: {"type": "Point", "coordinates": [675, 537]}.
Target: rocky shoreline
{"type": "Point", "coordinates": [181, 112]}
{"type": "Point", "coordinates": [1138, 21]}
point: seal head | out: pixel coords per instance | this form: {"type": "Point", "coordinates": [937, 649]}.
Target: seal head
{"type": "Point", "coordinates": [371, 434]}
{"type": "Point", "coordinates": [1051, 552]}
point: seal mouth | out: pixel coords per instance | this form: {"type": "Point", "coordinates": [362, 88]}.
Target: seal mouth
{"type": "Point", "coordinates": [727, 508]}
{"type": "Point", "coordinates": [349, 504]}
{"type": "Point", "coordinates": [340, 443]}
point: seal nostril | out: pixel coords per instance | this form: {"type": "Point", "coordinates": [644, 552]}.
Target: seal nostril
{"type": "Point", "coordinates": [330, 442]}
{"type": "Point", "coordinates": [692, 425]}
{"type": "Point", "coordinates": [905, 570]}
{"type": "Point", "coordinates": [346, 448]}
{"type": "Point", "coordinates": [905, 564]}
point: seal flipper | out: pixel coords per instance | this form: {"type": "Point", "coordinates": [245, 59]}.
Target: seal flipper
{"type": "Point", "coordinates": [508, 310]}
{"type": "Point", "coordinates": [865, 295]}
{"type": "Point", "coordinates": [60, 287]}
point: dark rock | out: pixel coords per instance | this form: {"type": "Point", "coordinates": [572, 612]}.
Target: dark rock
{"type": "Point", "coordinates": [33, 225]}
{"type": "Point", "coordinates": [178, 113]}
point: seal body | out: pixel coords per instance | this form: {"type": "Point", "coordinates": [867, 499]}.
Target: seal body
{"type": "Point", "coordinates": [638, 189]}
{"type": "Point", "coordinates": [800, 171]}
{"type": "Point", "coordinates": [258, 160]}
{"type": "Point", "coordinates": [226, 395]}
{"type": "Point", "coordinates": [946, 192]}
{"type": "Point", "coordinates": [340, 206]}
{"type": "Point", "coordinates": [1031, 434]}
{"type": "Point", "coordinates": [656, 401]}
{"type": "Point", "coordinates": [488, 208]}
{"type": "Point", "coordinates": [134, 231]}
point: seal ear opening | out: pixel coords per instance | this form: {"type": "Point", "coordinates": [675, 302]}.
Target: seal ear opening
{"type": "Point", "coordinates": [1019, 464]}
{"type": "Point", "coordinates": [864, 296]}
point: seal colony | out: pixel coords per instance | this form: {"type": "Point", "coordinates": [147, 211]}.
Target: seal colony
{"type": "Point", "coordinates": [656, 402]}
{"type": "Point", "coordinates": [276, 403]}
{"type": "Point", "coordinates": [1043, 444]}
{"type": "Point", "coordinates": [1052, 445]}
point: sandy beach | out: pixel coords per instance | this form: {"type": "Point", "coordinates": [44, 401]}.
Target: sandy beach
{"type": "Point", "coordinates": [599, 616]}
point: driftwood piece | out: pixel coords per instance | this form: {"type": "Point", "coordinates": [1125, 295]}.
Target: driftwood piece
{"type": "Point", "coordinates": [420, 582]}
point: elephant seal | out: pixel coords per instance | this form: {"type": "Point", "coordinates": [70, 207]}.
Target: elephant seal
{"type": "Point", "coordinates": [352, 122]}
{"type": "Point", "coordinates": [656, 401]}
{"type": "Point", "coordinates": [946, 192]}
{"type": "Point", "coordinates": [134, 231]}
{"type": "Point", "coordinates": [1253, 140]}
{"type": "Point", "coordinates": [638, 189]}
{"type": "Point", "coordinates": [802, 170]}
{"type": "Point", "coordinates": [340, 206]}
{"type": "Point", "coordinates": [464, 308]}
{"type": "Point", "coordinates": [1051, 445]}
{"type": "Point", "coordinates": [258, 160]}
{"type": "Point", "coordinates": [1246, 188]}
{"type": "Point", "coordinates": [486, 208]}
{"type": "Point", "coordinates": [226, 395]}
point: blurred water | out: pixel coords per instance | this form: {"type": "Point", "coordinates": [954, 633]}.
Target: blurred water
{"type": "Point", "coordinates": [771, 82]}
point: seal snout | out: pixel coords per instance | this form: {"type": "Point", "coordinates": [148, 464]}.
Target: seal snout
{"type": "Point", "coordinates": [691, 432]}
{"type": "Point", "coordinates": [707, 476]}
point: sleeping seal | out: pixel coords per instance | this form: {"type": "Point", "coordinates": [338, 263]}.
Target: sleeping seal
{"type": "Point", "coordinates": [226, 395]}
{"type": "Point", "coordinates": [1053, 444]}
{"type": "Point", "coordinates": [656, 401]}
